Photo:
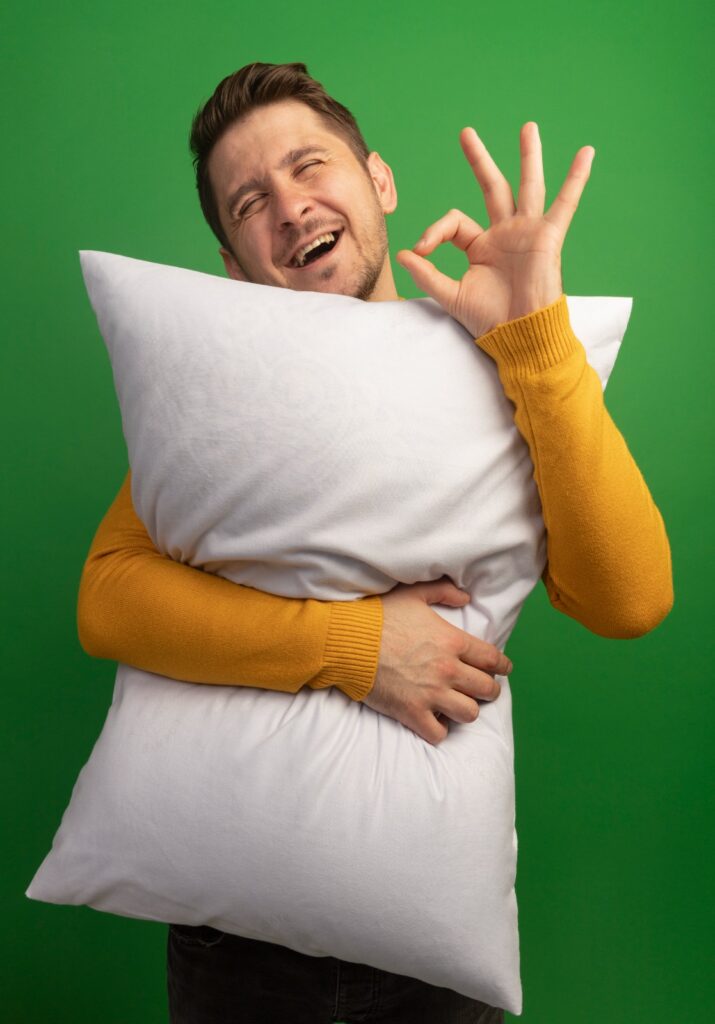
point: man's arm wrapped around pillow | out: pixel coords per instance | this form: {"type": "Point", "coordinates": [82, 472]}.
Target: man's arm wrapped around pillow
{"type": "Point", "coordinates": [608, 553]}
{"type": "Point", "coordinates": [139, 606]}
{"type": "Point", "coordinates": [608, 556]}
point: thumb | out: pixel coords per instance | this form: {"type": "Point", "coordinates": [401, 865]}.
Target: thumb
{"type": "Point", "coordinates": [428, 279]}
{"type": "Point", "coordinates": [443, 592]}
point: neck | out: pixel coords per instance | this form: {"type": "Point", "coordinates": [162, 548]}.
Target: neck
{"type": "Point", "coordinates": [384, 290]}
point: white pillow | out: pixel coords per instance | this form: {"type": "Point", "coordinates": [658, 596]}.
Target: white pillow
{"type": "Point", "coordinates": [314, 445]}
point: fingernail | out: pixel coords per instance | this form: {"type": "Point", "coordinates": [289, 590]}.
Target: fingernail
{"type": "Point", "coordinates": [509, 667]}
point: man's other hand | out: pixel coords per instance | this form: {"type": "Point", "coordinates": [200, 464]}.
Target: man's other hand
{"type": "Point", "coordinates": [427, 666]}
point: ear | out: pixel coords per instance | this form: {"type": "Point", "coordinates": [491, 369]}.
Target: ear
{"type": "Point", "coordinates": [383, 181]}
{"type": "Point", "coordinates": [233, 267]}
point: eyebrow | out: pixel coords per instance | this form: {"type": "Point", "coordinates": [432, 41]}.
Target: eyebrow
{"type": "Point", "coordinates": [291, 157]}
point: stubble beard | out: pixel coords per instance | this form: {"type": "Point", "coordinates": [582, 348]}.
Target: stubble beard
{"type": "Point", "coordinates": [370, 269]}
{"type": "Point", "coordinates": [369, 272]}
{"type": "Point", "coordinates": [370, 275]}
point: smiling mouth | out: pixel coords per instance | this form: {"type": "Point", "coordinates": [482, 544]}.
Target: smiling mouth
{"type": "Point", "coordinates": [318, 254]}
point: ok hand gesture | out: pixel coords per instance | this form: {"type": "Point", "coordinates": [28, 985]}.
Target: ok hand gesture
{"type": "Point", "coordinates": [515, 264]}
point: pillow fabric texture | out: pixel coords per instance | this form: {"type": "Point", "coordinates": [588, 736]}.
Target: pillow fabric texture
{"type": "Point", "coordinates": [314, 445]}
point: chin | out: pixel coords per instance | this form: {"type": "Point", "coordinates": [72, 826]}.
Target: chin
{"type": "Point", "coordinates": [360, 283]}
{"type": "Point", "coordinates": [329, 280]}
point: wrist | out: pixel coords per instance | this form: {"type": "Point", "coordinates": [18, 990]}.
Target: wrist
{"type": "Point", "coordinates": [525, 304]}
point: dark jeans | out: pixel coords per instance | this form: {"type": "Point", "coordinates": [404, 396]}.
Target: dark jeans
{"type": "Point", "coordinates": [216, 978]}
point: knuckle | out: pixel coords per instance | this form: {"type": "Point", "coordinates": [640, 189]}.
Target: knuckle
{"type": "Point", "coordinates": [456, 644]}
{"type": "Point", "coordinates": [490, 661]}
{"type": "Point", "coordinates": [446, 669]}
{"type": "Point", "coordinates": [413, 709]}
{"type": "Point", "coordinates": [486, 689]}
{"type": "Point", "coordinates": [433, 694]}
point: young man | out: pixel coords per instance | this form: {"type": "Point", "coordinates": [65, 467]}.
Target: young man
{"type": "Point", "coordinates": [297, 200]}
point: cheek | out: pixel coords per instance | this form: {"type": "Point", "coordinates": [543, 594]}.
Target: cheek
{"type": "Point", "coordinates": [338, 198]}
{"type": "Point", "coordinates": [256, 247]}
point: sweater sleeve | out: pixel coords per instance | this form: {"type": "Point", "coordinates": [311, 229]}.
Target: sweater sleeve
{"type": "Point", "coordinates": [608, 556]}
{"type": "Point", "coordinates": [142, 608]}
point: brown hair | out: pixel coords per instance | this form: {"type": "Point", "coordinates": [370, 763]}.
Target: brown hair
{"type": "Point", "coordinates": [256, 85]}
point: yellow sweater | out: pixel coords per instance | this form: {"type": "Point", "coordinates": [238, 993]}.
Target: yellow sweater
{"type": "Point", "coordinates": [608, 553]}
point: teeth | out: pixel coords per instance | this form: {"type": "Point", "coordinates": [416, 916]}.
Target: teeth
{"type": "Point", "coordinates": [299, 258]}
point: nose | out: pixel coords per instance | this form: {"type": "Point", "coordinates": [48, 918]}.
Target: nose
{"type": "Point", "coordinates": [292, 204]}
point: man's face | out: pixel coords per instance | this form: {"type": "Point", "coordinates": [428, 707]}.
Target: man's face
{"type": "Point", "coordinates": [281, 179]}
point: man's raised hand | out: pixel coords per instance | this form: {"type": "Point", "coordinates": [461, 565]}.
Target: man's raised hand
{"type": "Point", "coordinates": [428, 666]}
{"type": "Point", "coordinates": [515, 264]}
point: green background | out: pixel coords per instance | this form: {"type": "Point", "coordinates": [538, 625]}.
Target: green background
{"type": "Point", "coordinates": [613, 761]}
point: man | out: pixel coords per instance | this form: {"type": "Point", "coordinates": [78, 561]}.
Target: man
{"type": "Point", "coordinates": [297, 200]}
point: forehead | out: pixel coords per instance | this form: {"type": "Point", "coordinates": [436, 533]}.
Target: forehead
{"type": "Point", "coordinates": [256, 143]}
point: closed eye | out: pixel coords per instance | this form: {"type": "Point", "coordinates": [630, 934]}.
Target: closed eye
{"type": "Point", "coordinates": [247, 207]}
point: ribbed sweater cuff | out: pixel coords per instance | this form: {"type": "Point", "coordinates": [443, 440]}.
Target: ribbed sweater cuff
{"type": "Point", "coordinates": [352, 648]}
{"type": "Point", "coordinates": [532, 343]}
